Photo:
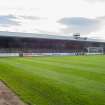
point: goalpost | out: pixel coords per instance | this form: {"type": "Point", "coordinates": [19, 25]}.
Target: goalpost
{"type": "Point", "coordinates": [95, 50]}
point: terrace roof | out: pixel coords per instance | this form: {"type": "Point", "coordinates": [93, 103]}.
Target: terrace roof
{"type": "Point", "coordinates": [45, 36]}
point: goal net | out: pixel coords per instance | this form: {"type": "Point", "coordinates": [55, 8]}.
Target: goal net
{"type": "Point", "coordinates": [95, 50]}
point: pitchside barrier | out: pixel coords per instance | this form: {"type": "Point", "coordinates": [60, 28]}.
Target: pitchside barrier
{"type": "Point", "coordinates": [48, 54]}
{"type": "Point", "coordinates": [36, 54]}
{"type": "Point", "coordinates": [58, 54]}
{"type": "Point", "coordinates": [9, 54]}
{"type": "Point", "coordinates": [93, 53]}
{"type": "Point", "coordinates": [44, 54]}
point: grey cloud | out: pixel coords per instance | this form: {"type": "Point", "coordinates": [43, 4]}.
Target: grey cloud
{"type": "Point", "coordinates": [95, 0]}
{"type": "Point", "coordinates": [31, 17]}
{"type": "Point", "coordinates": [81, 25]}
{"type": "Point", "coordinates": [8, 20]}
{"type": "Point", "coordinates": [102, 18]}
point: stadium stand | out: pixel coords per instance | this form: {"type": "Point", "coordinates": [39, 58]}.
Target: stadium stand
{"type": "Point", "coordinates": [15, 42]}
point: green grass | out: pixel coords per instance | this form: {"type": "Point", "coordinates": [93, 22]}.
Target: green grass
{"type": "Point", "coordinates": [69, 80]}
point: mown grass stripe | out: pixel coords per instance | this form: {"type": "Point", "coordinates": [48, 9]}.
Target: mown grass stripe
{"type": "Point", "coordinates": [58, 76]}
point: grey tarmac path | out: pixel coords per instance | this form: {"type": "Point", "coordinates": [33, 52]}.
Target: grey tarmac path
{"type": "Point", "coordinates": [7, 97]}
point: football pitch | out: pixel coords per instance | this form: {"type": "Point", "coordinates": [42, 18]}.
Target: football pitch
{"type": "Point", "coordinates": [66, 80]}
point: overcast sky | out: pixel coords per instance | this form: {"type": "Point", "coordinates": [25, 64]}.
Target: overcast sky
{"type": "Point", "coordinates": [61, 17]}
